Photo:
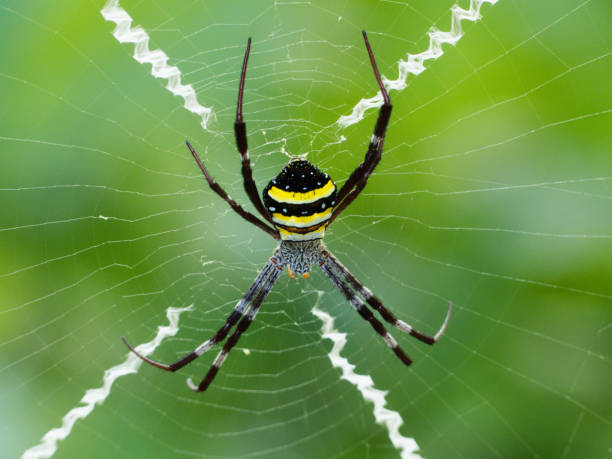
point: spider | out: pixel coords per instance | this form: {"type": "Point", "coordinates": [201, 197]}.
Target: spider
{"type": "Point", "coordinates": [299, 203]}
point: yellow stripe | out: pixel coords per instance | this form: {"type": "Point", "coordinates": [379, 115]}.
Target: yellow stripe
{"type": "Point", "coordinates": [302, 222]}
{"type": "Point", "coordinates": [291, 197]}
{"type": "Point", "coordinates": [290, 236]}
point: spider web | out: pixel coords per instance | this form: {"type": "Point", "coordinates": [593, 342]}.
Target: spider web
{"type": "Point", "coordinates": [493, 193]}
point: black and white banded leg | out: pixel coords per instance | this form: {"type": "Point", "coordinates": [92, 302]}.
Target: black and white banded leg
{"type": "Point", "coordinates": [361, 308]}
{"type": "Point", "coordinates": [375, 303]}
{"type": "Point", "coordinates": [243, 325]}
{"type": "Point", "coordinates": [271, 270]}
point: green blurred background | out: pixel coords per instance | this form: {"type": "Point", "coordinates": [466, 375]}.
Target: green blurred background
{"type": "Point", "coordinates": [493, 192]}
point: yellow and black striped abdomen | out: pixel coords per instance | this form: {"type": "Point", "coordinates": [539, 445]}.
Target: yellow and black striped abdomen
{"type": "Point", "coordinates": [300, 201]}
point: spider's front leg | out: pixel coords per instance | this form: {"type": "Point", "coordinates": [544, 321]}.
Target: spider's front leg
{"type": "Point", "coordinates": [359, 177]}
{"type": "Point", "coordinates": [247, 173]}
{"type": "Point", "coordinates": [242, 144]}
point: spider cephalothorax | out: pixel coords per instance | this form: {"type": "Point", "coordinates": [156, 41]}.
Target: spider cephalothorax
{"type": "Point", "coordinates": [299, 256]}
{"type": "Point", "coordinates": [299, 203]}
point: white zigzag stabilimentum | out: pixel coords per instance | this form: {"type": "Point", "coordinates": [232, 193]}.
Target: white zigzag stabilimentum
{"type": "Point", "coordinates": [50, 441]}
{"type": "Point", "coordinates": [415, 62]}
{"type": "Point", "coordinates": [389, 419]}
{"type": "Point", "coordinates": [124, 33]}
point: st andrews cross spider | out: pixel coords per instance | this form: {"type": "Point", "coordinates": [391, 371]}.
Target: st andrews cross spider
{"type": "Point", "coordinates": [299, 203]}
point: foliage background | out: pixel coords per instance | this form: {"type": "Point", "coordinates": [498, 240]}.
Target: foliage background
{"type": "Point", "coordinates": [494, 192]}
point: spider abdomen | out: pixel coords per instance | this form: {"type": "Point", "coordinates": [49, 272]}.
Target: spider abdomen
{"type": "Point", "coordinates": [300, 201]}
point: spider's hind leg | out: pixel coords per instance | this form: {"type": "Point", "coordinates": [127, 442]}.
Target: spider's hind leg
{"type": "Point", "coordinates": [270, 269]}
{"type": "Point", "coordinates": [387, 315]}
{"type": "Point", "coordinates": [242, 326]}
{"type": "Point", "coordinates": [361, 308]}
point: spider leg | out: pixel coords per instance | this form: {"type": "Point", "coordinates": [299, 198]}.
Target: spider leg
{"type": "Point", "coordinates": [243, 149]}
{"type": "Point", "coordinates": [359, 177]}
{"type": "Point", "coordinates": [248, 216]}
{"type": "Point", "coordinates": [387, 315]}
{"type": "Point", "coordinates": [270, 268]}
{"type": "Point", "coordinates": [243, 325]}
{"type": "Point", "coordinates": [362, 309]}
